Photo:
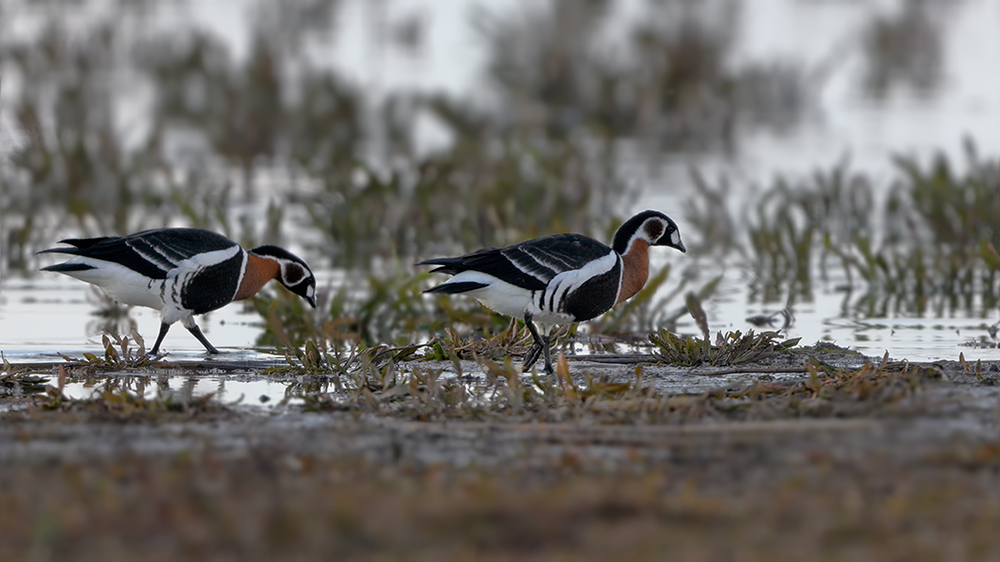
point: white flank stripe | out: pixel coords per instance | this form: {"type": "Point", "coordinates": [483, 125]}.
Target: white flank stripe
{"type": "Point", "coordinates": [159, 261]}
{"type": "Point", "coordinates": [521, 267]}
{"type": "Point", "coordinates": [570, 281]}
{"type": "Point", "coordinates": [511, 300]}
{"type": "Point", "coordinates": [243, 271]}
{"type": "Point", "coordinates": [539, 258]}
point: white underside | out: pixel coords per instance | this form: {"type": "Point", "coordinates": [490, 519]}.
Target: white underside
{"type": "Point", "coordinates": [128, 287]}
{"type": "Point", "coordinates": [509, 300]}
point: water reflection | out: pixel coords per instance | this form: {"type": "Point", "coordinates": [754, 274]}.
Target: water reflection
{"type": "Point", "coordinates": [254, 392]}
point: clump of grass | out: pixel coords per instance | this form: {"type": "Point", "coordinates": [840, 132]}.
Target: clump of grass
{"type": "Point", "coordinates": [321, 358]}
{"type": "Point", "coordinates": [830, 347]}
{"type": "Point", "coordinates": [429, 394]}
{"type": "Point", "coordinates": [119, 354]}
{"type": "Point", "coordinates": [18, 380]}
{"type": "Point", "coordinates": [732, 348]}
{"type": "Point", "coordinates": [512, 341]}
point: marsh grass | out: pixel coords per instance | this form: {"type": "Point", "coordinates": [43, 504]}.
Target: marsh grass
{"type": "Point", "coordinates": [930, 245]}
{"type": "Point", "coordinates": [118, 354]}
{"type": "Point", "coordinates": [396, 383]}
{"type": "Point", "coordinates": [319, 359]}
{"type": "Point", "coordinates": [505, 395]}
{"type": "Point", "coordinates": [669, 81]}
{"type": "Point", "coordinates": [368, 309]}
{"type": "Point", "coordinates": [515, 340]}
{"type": "Point", "coordinates": [120, 405]}
{"type": "Point", "coordinates": [349, 175]}
{"type": "Point", "coordinates": [247, 145]}
{"type": "Point", "coordinates": [18, 380]}
{"type": "Point", "coordinates": [278, 131]}
{"type": "Point", "coordinates": [227, 136]}
{"type": "Point", "coordinates": [502, 393]}
{"type": "Point", "coordinates": [731, 348]}
{"type": "Point", "coordinates": [498, 189]}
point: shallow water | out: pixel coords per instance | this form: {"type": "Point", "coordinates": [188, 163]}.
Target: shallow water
{"type": "Point", "coordinates": [252, 393]}
{"type": "Point", "coordinates": [53, 314]}
{"type": "Point", "coordinates": [255, 393]}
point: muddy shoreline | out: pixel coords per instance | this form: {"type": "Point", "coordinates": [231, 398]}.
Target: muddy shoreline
{"type": "Point", "coordinates": [917, 477]}
{"type": "Point", "coordinates": [960, 406]}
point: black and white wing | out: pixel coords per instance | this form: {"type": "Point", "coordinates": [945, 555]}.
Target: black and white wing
{"type": "Point", "coordinates": [531, 264]}
{"type": "Point", "coordinates": [152, 253]}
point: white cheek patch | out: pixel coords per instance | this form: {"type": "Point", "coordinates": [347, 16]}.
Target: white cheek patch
{"type": "Point", "coordinates": [675, 238]}
{"type": "Point", "coordinates": [311, 291]}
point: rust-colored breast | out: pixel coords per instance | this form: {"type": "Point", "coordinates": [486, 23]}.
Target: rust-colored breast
{"type": "Point", "coordinates": [259, 271]}
{"type": "Point", "coordinates": [636, 269]}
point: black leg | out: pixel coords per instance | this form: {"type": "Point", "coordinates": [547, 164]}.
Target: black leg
{"type": "Point", "coordinates": [196, 331]}
{"type": "Point", "coordinates": [548, 355]}
{"type": "Point", "coordinates": [537, 348]}
{"type": "Point", "coordinates": [164, 327]}
{"type": "Point", "coordinates": [531, 357]}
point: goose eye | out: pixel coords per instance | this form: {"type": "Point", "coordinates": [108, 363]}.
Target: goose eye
{"type": "Point", "coordinates": [292, 274]}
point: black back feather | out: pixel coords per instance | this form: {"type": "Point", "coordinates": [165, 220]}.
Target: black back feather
{"type": "Point", "coordinates": [152, 253]}
{"type": "Point", "coordinates": [455, 288]}
{"type": "Point", "coordinates": [530, 264]}
{"type": "Point", "coordinates": [59, 267]}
